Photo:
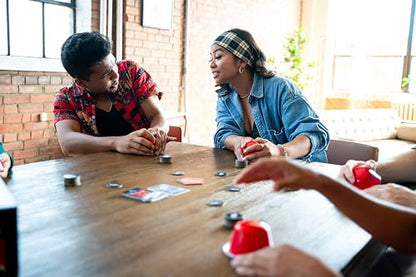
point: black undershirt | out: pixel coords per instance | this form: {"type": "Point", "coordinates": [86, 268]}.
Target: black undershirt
{"type": "Point", "coordinates": [112, 123]}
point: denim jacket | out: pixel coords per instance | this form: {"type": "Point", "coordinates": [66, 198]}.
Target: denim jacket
{"type": "Point", "coordinates": [280, 113]}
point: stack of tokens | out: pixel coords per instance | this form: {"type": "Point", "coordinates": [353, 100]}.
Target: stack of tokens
{"type": "Point", "coordinates": [241, 163]}
{"type": "Point", "coordinates": [231, 219]}
{"type": "Point", "coordinates": [72, 180]}
{"type": "Point", "coordinates": [165, 159]}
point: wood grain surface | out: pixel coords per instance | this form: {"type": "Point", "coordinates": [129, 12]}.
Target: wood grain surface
{"type": "Point", "coordinates": [91, 230]}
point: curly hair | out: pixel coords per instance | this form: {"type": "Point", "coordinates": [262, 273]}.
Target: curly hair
{"type": "Point", "coordinates": [83, 50]}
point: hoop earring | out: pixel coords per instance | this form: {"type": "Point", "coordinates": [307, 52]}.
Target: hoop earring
{"type": "Point", "coordinates": [240, 70]}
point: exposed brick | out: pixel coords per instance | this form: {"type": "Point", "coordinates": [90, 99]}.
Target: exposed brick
{"type": "Point", "coordinates": [5, 80]}
{"type": "Point", "coordinates": [16, 99]}
{"type": "Point", "coordinates": [31, 80]}
{"type": "Point", "coordinates": [12, 118]}
{"type": "Point", "coordinates": [30, 108]}
{"type": "Point", "coordinates": [35, 143]}
{"type": "Point", "coordinates": [29, 126]}
{"type": "Point", "coordinates": [47, 150]}
{"type": "Point", "coordinates": [56, 80]}
{"type": "Point", "coordinates": [18, 162]}
{"type": "Point", "coordinates": [9, 128]}
{"type": "Point", "coordinates": [40, 98]}
{"type": "Point", "coordinates": [30, 89]}
{"type": "Point", "coordinates": [44, 80]}
{"type": "Point", "coordinates": [49, 133]}
{"type": "Point", "coordinates": [24, 154]}
{"type": "Point", "coordinates": [11, 146]}
{"type": "Point", "coordinates": [37, 158]}
{"type": "Point", "coordinates": [67, 80]}
{"type": "Point", "coordinates": [18, 80]}
{"type": "Point", "coordinates": [27, 117]}
{"type": "Point", "coordinates": [53, 88]}
{"type": "Point", "coordinates": [10, 109]}
{"type": "Point", "coordinates": [36, 134]}
{"type": "Point", "coordinates": [23, 136]}
{"type": "Point", "coordinates": [9, 89]}
{"type": "Point", "coordinates": [10, 137]}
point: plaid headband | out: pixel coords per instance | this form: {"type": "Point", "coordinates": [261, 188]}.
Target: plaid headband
{"type": "Point", "coordinates": [237, 46]}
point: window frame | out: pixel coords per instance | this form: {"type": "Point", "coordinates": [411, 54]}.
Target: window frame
{"type": "Point", "coordinates": [82, 22]}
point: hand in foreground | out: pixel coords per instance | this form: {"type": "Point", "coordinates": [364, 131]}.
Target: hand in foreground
{"type": "Point", "coordinates": [284, 260]}
{"type": "Point", "coordinates": [394, 193]}
{"type": "Point", "coordinates": [346, 173]}
{"type": "Point", "coordinates": [284, 172]}
{"type": "Point", "coordinates": [5, 164]}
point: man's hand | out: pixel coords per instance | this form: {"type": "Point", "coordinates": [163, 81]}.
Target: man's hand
{"type": "Point", "coordinates": [138, 142]}
{"type": "Point", "coordinates": [394, 193]}
{"type": "Point", "coordinates": [283, 260]}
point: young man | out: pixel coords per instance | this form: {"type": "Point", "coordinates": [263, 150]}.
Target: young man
{"type": "Point", "coordinates": [110, 105]}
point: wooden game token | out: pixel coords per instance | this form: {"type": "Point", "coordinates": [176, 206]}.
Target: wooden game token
{"type": "Point", "coordinates": [231, 218]}
{"type": "Point", "coordinates": [72, 180]}
{"type": "Point", "coordinates": [216, 203]}
{"type": "Point", "coordinates": [164, 159]}
{"type": "Point", "coordinates": [113, 185]}
{"type": "Point", "coordinates": [177, 173]}
{"type": "Point", "coordinates": [233, 189]}
{"type": "Point", "coordinates": [241, 163]}
{"type": "Point", "coordinates": [220, 174]}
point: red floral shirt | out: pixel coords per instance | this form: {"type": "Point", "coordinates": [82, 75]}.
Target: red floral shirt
{"type": "Point", "coordinates": [135, 86]}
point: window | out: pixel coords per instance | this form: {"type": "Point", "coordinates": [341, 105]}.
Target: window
{"type": "Point", "coordinates": [371, 39]}
{"type": "Point", "coordinates": [32, 32]}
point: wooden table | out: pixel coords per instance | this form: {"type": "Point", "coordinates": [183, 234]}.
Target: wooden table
{"type": "Point", "coordinates": [91, 230]}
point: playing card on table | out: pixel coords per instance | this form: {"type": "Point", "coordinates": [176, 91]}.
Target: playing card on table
{"type": "Point", "coordinates": [171, 190]}
{"type": "Point", "coordinates": [145, 196]}
{"type": "Point", "coordinates": [190, 181]}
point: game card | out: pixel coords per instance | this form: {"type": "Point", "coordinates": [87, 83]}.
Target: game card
{"type": "Point", "coordinates": [145, 196]}
{"type": "Point", "coordinates": [171, 190]}
{"type": "Point", "coordinates": [190, 181]}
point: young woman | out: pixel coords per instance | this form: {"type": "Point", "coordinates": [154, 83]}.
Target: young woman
{"type": "Point", "coordinates": [253, 103]}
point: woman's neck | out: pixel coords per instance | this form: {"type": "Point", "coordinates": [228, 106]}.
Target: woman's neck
{"type": "Point", "coordinates": [243, 84]}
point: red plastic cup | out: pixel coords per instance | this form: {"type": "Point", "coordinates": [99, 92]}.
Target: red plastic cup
{"type": "Point", "coordinates": [250, 235]}
{"type": "Point", "coordinates": [365, 177]}
{"type": "Point", "coordinates": [152, 141]}
{"type": "Point", "coordinates": [248, 143]}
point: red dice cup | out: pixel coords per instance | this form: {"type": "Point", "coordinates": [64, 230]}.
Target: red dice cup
{"type": "Point", "coordinates": [250, 235]}
{"type": "Point", "coordinates": [365, 177]}
{"type": "Point", "coordinates": [248, 143]}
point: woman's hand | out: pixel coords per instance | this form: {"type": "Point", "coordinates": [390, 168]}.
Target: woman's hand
{"type": "Point", "coordinates": [263, 149]}
{"type": "Point", "coordinates": [5, 164]}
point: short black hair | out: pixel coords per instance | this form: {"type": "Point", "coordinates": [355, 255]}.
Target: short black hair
{"type": "Point", "coordinates": [82, 50]}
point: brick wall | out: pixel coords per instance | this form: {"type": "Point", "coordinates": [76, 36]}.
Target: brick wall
{"type": "Point", "coordinates": [25, 95]}
{"type": "Point", "coordinates": [159, 51]}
